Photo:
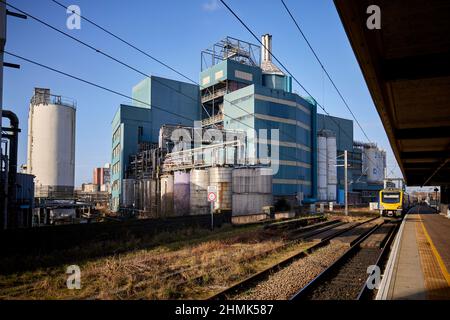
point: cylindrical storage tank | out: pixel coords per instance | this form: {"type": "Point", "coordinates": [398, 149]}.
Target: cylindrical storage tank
{"type": "Point", "coordinates": [128, 193]}
{"type": "Point", "coordinates": [250, 203]}
{"type": "Point", "coordinates": [322, 167]}
{"type": "Point", "coordinates": [221, 178]}
{"type": "Point", "coordinates": [146, 196]}
{"type": "Point", "coordinates": [252, 180]}
{"type": "Point", "coordinates": [167, 195]}
{"type": "Point", "coordinates": [331, 155]}
{"type": "Point", "coordinates": [252, 190]}
{"type": "Point", "coordinates": [154, 199]}
{"type": "Point", "coordinates": [199, 192]}
{"type": "Point", "coordinates": [332, 192]}
{"type": "Point", "coordinates": [375, 164]}
{"type": "Point", "coordinates": [51, 144]}
{"type": "Point", "coordinates": [181, 188]}
{"type": "Point", "coordinates": [332, 169]}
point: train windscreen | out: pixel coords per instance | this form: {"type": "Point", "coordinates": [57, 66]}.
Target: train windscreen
{"type": "Point", "coordinates": [391, 197]}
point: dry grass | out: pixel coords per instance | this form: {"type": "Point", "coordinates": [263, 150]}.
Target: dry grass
{"type": "Point", "coordinates": [190, 268]}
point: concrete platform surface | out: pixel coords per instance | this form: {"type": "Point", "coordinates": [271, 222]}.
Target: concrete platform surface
{"type": "Point", "coordinates": [420, 271]}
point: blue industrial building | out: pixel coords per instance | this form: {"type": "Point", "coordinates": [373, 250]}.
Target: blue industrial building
{"type": "Point", "coordinates": [157, 101]}
{"type": "Point", "coordinates": [241, 92]}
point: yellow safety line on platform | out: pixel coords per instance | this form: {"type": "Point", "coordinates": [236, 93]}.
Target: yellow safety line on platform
{"type": "Point", "coordinates": [436, 254]}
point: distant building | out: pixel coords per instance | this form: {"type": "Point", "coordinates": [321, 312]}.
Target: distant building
{"type": "Point", "coordinates": [89, 187]}
{"type": "Point", "coordinates": [102, 177]}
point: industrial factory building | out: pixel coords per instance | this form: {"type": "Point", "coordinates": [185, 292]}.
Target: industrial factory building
{"type": "Point", "coordinates": [239, 92]}
{"type": "Point", "coordinates": [242, 89]}
{"type": "Point", "coordinates": [242, 93]}
{"type": "Point", "coordinates": [157, 101]}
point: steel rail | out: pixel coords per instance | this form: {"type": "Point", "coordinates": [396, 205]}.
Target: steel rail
{"type": "Point", "coordinates": [237, 287]}
{"type": "Point", "coordinates": [341, 261]}
{"type": "Point", "coordinates": [385, 246]}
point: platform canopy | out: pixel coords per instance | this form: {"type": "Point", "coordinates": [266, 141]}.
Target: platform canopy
{"type": "Point", "coordinates": [406, 64]}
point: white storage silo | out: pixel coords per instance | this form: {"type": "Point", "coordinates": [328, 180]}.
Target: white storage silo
{"type": "Point", "coordinates": [128, 193]}
{"type": "Point", "coordinates": [375, 162]}
{"type": "Point", "coordinates": [221, 178]}
{"type": "Point", "coordinates": [322, 167]}
{"type": "Point", "coordinates": [51, 144]}
{"type": "Point", "coordinates": [181, 191]}
{"type": "Point", "coordinates": [167, 195]}
{"type": "Point", "coordinates": [332, 169]}
{"type": "Point", "coordinates": [252, 190]}
{"type": "Point", "coordinates": [199, 192]}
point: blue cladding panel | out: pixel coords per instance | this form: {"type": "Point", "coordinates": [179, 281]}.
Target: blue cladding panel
{"type": "Point", "coordinates": [290, 189]}
{"type": "Point", "coordinates": [289, 172]}
{"type": "Point", "coordinates": [343, 128]}
{"type": "Point", "coordinates": [182, 100]}
{"type": "Point", "coordinates": [128, 119]}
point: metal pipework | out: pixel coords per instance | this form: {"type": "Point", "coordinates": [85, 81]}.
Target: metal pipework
{"type": "Point", "coordinates": [12, 134]}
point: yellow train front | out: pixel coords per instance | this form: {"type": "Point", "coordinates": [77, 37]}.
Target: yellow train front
{"type": "Point", "coordinates": [393, 203]}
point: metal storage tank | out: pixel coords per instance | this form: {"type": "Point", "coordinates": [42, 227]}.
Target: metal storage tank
{"type": "Point", "coordinates": [167, 195]}
{"type": "Point", "coordinates": [128, 194]}
{"type": "Point", "coordinates": [146, 196]}
{"type": "Point", "coordinates": [221, 178]}
{"type": "Point", "coordinates": [252, 190]}
{"type": "Point", "coordinates": [51, 144]}
{"type": "Point", "coordinates": [322, 186]}
{"type": "Point", "coordinates": [332, 169]}
{"type": "Point", "coordinates": [181, 188]}
{"type": "Point", "coordinates": [374, 160]}
{"type": "Point", "coordinates": [154, 198]}
{"type": "Point", "coordinates": [199, 192]}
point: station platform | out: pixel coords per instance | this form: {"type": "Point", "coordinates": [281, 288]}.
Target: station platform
{"type": "Point", "coordinates": [419, 264]}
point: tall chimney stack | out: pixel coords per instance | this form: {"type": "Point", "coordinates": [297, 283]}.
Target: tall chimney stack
{"type": "Point", "coordinates": [266, 48]}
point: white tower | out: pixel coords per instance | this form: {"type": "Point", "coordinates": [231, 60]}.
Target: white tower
{"type": "Point", "coordinates": [51, 145]}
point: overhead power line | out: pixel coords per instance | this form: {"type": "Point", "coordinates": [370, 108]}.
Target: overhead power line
{"type": "Point", "coordinates": [139, 50]}
{"type": "Point", "coordinates": [124, 64]}
{"type": "Point", "coordinates": [93, 84]}
{"type": "Point", "coordinates": [283, 66]}
{"type": "Point", "coordinates": [104, 88]}
{"type": "Point", "coordinates": [121, 39]}
{"type": "Point", "coordinates": [324, 69]}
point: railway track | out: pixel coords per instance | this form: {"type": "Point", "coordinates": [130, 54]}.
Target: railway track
{"type": "Point", "coordinates": [325, 233]}
{"type": "Point", "coordinates": [291, 229]}
{"type": "Point", "coordinates": [347, 277]}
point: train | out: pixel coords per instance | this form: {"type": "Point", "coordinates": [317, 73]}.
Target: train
{"type": "Point", "coordinates": [393, 203]}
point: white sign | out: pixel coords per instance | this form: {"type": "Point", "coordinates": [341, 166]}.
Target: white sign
{"type": "Point", "coordinates": [212, 193]}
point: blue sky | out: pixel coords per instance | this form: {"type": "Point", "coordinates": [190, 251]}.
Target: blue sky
{"type": "Point", "coordinates": [175, 31]}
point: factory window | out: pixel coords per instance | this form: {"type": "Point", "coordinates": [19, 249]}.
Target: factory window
{"type": "Point", "coordinates": [116, 151]}
{"type": "Point", "coordinates": [116, 168]}
{"type": "Point", "coordinates": [116, 135]}
{"type": "Point", "coordinates": [243, 75]}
